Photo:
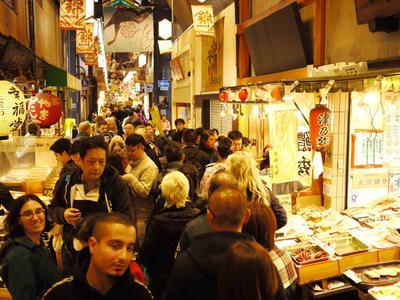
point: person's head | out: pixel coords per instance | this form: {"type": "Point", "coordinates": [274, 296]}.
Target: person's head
{"type": "Point", "coordinates": [249, 273]}
{"type": "Point", "coordinates": [115, 160]}
{"type": "Point", "coordinates": [111, 245]}
{"type": "Point", "coordinates": [246, 144]}
{"type": "Point", "coordinates": [227, 210]}
{"type": "Point", "coordinates": [102, 126]}
{"type": "Point", "coordinates": [243, 167]}
{"type": "Point", "coordinates": [74, 152]}
{"type": "Point", "coordinates": [93, 152]}
{"type": "Point", "coordinates": [34, 129]}
{"type": "Point", "coordinates": [189, 136]}
{"type": "Point", "coordinates": [175, 189]}
{"type": "Point", "coordinates": [84, 127]}
{"type": "Point", "coordinates": [61, 150]}
{"type": "Point", "coordinates": [207, 139]}
{"type": "Point", "coordinates": [216, 132]}
{"type": "Point", "coordinates": [163, 117]}
{"type": "Point", "coordinates": [117, 144]}
{"type": "Point", "coordinates": [173, 152]}
{"type": "Point", "coordinates": [236, 137]}
{"type": "Point", "coordinates": [83, 230]}
{"type": "Point", "coordinates": [224, 146]}
{"type": "Point", "coordinates": [135, 147]}
{"type": "Point", "coordinates": [199, 132]}
{"type": "Point", "coordinates": [262, 224]}
{"type": "Point", "coordinates": [179, 124]}
{"type": "Point", "coordinates": [141, 130]}
{"type": "Point", "coordinates": [221, 179]}
{"type": "Point", "coordinates": [192, 174]}
{"type": "Point", "coordinates": [149, 127]}
{"type": "Point", "coordinates": [129, 129]}
{"type": "Point", "coordinates": [112, 124]}
{"type": "Point", "coordinates": [27, 216]}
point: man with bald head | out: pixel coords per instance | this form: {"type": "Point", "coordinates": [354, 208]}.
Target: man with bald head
{"type": "Point", "coordinates": [102, 271]}
{"type": "Point", "coordinates": [84, 131]}
{"type": "Point", "coordinates": [195, 272]}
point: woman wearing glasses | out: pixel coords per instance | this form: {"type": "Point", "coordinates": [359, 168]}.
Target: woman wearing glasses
{"type": "Point", "coordinates": [27, 267]}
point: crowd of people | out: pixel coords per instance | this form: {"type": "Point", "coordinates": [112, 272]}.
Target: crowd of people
{"type": "Point", "coordinates": [137, 214]}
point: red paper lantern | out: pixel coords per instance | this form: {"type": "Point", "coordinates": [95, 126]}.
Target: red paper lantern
{"type": "Point", "coordinates": [243, 94]}
{"type": "Point", "coordinates": [223, 96]}
{"type": "Point", "coordinates": [277, 93]}
{"type": "Point", "coordinates": [320, 127]}
{"type": "Point", "coordinates": [45, 109]}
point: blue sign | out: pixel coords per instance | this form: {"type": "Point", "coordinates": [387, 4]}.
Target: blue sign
{"type": "Point", "coordinates": [85, 83]}
{"type": "Point", "coordinates": [164, 85]}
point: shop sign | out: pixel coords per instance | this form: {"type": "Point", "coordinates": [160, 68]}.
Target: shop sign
{"type": "Point", "coordinates": [164, 85]}
{"type": "Point", "coordinates": [304, 149]}
{"type": "Point", "coordinates": [320, 123]}
{"type": "Point", "coordinates": [45, 109]}
{"type": "Point", "coordinates": [148, 87]}
{"type": "Point", "coordinates": [12, 108]}
{"type": "Point", "coordinates": [72, 14]}
{"type": "Point", "coordinates": [203, 20]}
{"type": "Point", "coordinates": [85, 43]}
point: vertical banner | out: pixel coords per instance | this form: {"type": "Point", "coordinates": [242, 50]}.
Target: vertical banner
{"type": "Point", "coordinates": [128, 29]}
{"type": "Point", "coordinates": [85, 43]}
{"type": "Point", "coordinates": [91, 59]}
{"type": "Point", "coordinates": [304, 156]}
{"type": "Point", "coordinates": [212, 50]}
{"type": "Point", "coordinates": [72, 14]}
{"type": "Point", "coordinates": [283, 156]}
{"type": "Point", "coordinates": [203, 20]}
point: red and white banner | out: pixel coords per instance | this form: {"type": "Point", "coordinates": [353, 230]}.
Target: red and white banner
{"type": "Point", "coordinates": [72, 14]}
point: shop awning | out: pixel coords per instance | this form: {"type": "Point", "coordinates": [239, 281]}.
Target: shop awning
{"type": "Point", "coordinates": [58, 77]}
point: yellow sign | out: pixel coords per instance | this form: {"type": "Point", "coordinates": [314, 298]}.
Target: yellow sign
{"type": "Point", "coordinates": [85, 43]}
{"type": "Point", "coordinates": [72, 14]}
{"type": "Point", "coordinates": [203, 20]}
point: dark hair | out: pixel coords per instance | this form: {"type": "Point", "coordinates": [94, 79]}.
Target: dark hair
{"type": "Point", "coordinates": [265, 162]}
{"type": "Point", "coordinates": [249, 273]}
{"type": "Point", "coordinates": [129, 122]}
{"type": "Point", "coordinates": [224, 146]}
{"type": "Point", "coordinates": [192, 175]}
{"type": "Point", "coordinates": [235, 135]}
{"type": "Point", "coordinates": [92, 143]}
{"type": "Point", "coordinates": [33, 129]}
{"type": "Point", "coordinates": [179, 120]}
{"type": "Point", "coordinates": [148, 124]}
{"type": "Point", "coordinates": [262, 224]}
{"type": "Point", "coordinates": [137, 123]}
{"type": "Point", "coordinates": [115, 160]}
{"type": "Point", "coordinates": [60, 146]}
{"type": "Point", "coordinates": [11, 224]}
{"type": "Point", "coordinates": [109, 218]}
{"type": "Point", "coordinates": [75, 146]}
{"type": "Point", "coordinates": [83, 229]}
{"type": "Point", "coordinates": [215, 130]}
{"type": "Point", "coordinates": [200, 131]}
{"type": "Point", "coordinates": [205, 136]}
{"type": "Point", "coordinates": [134, 140]}
{"type": "Point", "coordinates": [189, 136]}
{"type": "Point", "coordinates": [246, 141]}
{"type": "Point", "coordinates": [173, 151]}
{"type": "Point", "coordinates": [101, 121]}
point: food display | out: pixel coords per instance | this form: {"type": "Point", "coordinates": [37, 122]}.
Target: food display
{"type": "Point", "coordinates": [390, 292]}
{"type": "Point", "coordinates": [344, 244]}
{"type": "Point", "coordinates": [306, 252]}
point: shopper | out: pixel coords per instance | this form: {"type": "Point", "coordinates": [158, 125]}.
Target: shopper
{"type": "Point", "coordinates": [61, 150]}
{"type": "Point", "coordinates": [84, 130]}
{"type": "Point", "coordinates": [207, 142]}
{"type": "Point", "coordinates": [129, 129]}
{"type": "Point", "coordinates": [180, 126]}
{"type": "Point", "coordinates": [27, 267]}
{"type": "Point", "coordinates": [249, 274]}
{"type": "Point", "coordinates": [262, 226]}
{"type": "Point", "coordinates": [194, 155]}
{"type": "Point", "coordinates": [237, 139]}
{"type": "Point", "coordinates": [243, 167]}
{"type": "Point", "coordinates": [102, 268]}
{"type": "Point", "coordinates": [166, 125]}
{"type": "Point", "coordinates": [194, 275]}
{"type": "Point", "coordinates": [95, 187]}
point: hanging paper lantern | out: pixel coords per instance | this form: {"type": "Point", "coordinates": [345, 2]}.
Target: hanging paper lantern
{"type": "Point", "coordinates": [277, 93]}
{"type": "Point", "coordinates": [12, 108]}
{"type": "Point", "coordinates": [45, 109]}
{"type": "Point", "coordinates": [223, 96]}
{"type": "Point", "coordinates": [320, 127]}
{"type": "Point", "coordinates": [243, 94]}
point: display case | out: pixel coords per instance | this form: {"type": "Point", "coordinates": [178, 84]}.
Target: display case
{"type": "Point", "coordinates": [27, 164]}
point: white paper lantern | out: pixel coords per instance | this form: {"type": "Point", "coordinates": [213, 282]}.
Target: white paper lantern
{"type": "Point", "coordinates": [12, 108]}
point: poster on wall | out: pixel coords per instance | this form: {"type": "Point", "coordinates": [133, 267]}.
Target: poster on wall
{"type": "Point", "coordinates": [367, 148]}
{"type": "Point", "coordinates": [283, 155]}
{"type": "Point", "coordinates": [72, 14]}
{"type": "Point", "coordinates": [176, 69]}
{"type": "Point", "coordinates": [203, 20]}
{"type": "Point", "coordinates": [212, 50]}
{"type": "Point", "coordinates": [304, 156]}
{"type": "Point", "coordinates": [392, 135]}
{"type": "Point", "coordinates": [85, 42]}
{"type": "Point", "coordinates": [128, 29]}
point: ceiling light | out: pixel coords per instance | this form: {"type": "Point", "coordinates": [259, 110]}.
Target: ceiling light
{"type": "Point", "coordinates": [164, 29]}
{"type": "Point", "coordinates": [142, 60]}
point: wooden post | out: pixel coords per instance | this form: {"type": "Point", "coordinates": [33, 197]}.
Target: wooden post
{"type": "Point", "coordinates": [243, 51]}
{"type": "Point", "coordinates": [319, 32]}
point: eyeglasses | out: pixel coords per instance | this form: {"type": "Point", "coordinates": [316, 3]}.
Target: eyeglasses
{"type": "Point", "coordinates": [132, 150]}
{"type": "Point", "coordinates": [29, 213]}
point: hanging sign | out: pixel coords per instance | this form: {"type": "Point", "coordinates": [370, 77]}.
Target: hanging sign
{"type": "Point", "coordinates": [91, 59]}
{"type": "Point", "coordinates": [164, 85]}
{"type": "Point", "coordinates": [304, 156]}
{"type": "Point", "coordinates": [45, 109]}
{"type": "Point", "coordinates": [203, 20]}
{"type": "Point", "coordinates": [128, 3]}
{"type": "Point", "coordinates": [72, 14]}
{"type": "Point", "coordinates": [320, 127]}
{"type": "Point", "coordinates": [85, 43]}
{"type": "Point", "coordinates": [12, 108]}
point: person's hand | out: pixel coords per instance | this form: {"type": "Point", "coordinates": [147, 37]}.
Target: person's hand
{"type": "Point", "coordinates": [72, 215]}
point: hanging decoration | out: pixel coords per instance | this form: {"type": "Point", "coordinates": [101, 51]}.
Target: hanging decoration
{"type": "Point", "coordinates": [72, 14]}
{"type": "Point", "coordinates": [12, 108]}
{"type": "Point", "coordinates": [91, 59]}
{"type": "Point", "coordinates": [277, 92]}
{"type": "Point", "coordinates": [45, 109]}
{"type": "Point", "coordinates": [85, 42]}
{"type": "Point", "coordinates": [320, 127]}
{"type": "Point", "coordinates": [203, 20]}
{"type": "Point", "coordinates": [243, 94]}
{"type": "Point", "coordinates": [128, 3]}
{"type": "Point", "coordinates": [223, 96]}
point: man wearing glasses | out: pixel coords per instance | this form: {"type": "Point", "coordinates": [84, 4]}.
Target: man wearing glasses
{"type": "Point", "coordinates": [141, 175]}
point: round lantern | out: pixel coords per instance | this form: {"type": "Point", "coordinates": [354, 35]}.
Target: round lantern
{"type": "Point", "coordinates": [277, 93]}
{"type": "Point", "coordinates": [12, 108]}
{"type": "Point", "coordinates": [243, 94]}
{"type": "Point", "coordinates": [320, 127]}
{"type": "Point", "coordinates": [223, 96]}
{"type": "Point", "coordinates": [45, 109]}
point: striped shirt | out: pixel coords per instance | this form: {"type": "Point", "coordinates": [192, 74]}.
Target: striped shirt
{"type": "Point", "coordinates": [284, 265]}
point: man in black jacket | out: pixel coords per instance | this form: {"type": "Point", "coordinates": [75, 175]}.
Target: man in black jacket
{"type": "Point", "coordinates": [61, 151]}
{"type": "Point", "coordinates": [102, 269]}
{"type": "Point", "coordinates": [93, 188]}
{"type": "Point", "coordinates": [192, 154]}
{"type": "Point", "coordinates": [195, 272]}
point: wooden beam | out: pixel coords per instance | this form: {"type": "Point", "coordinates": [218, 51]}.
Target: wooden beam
{"type": "Point", "coordinates": [291, 74]}
{"type": "Point", "coordinates": [243, 54]}
{"type": "Point", "coordinates": [319, 32]}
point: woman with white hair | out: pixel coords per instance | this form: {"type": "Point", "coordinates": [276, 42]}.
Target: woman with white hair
{"type": "Point", "coordinates": [243, 167]}
{"type": "Point", "coordinates": [162, 236]}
